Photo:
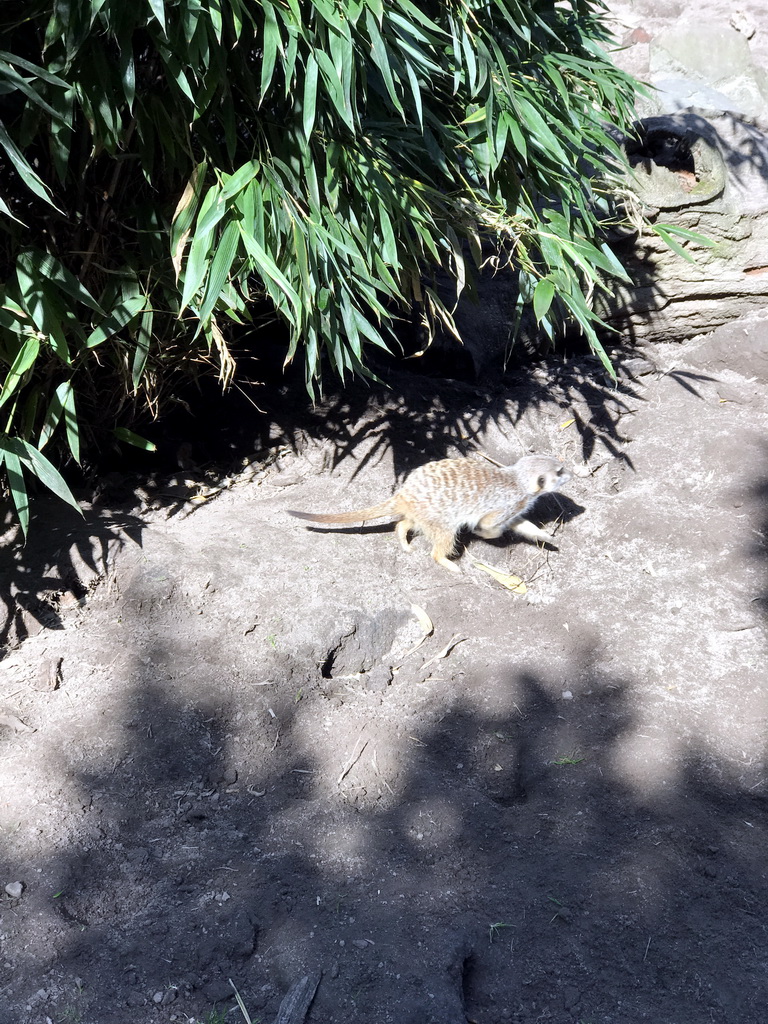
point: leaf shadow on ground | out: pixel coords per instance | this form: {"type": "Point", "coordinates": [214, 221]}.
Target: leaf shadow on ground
{"type": "Point", "coordinates": [501, 859]}
{"type": "Point", "coordinates": [414, 420]}
{"type": "Point", "coordinates": [501, 853]}
{"type": "Point", "coordinates": [64, 556]}
{"type": "Point", "coordinates": [419, 418]}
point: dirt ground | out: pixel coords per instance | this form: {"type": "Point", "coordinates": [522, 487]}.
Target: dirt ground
{"type": "Point", "coordinates": [237, 755]}
{"type": "Point", "coordinates": [236, 751]}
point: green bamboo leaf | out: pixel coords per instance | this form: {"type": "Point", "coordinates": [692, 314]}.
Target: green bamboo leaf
{"type": "Point", "coordinates": [178, 75]}
{"type": "Point", "coordinates": [127, 68]}
{"type": "Point", "coordinates": [5, 209]}
{"type": "Point", "coordinates": [18, 82]}
{"type": "Point", "coordinates": [300, 250]}
{"type": "Point", "coordinates": [214, 12]}
{"type": "Point", "coordinates": [122, 314]}
{"type": "Point", "coordinates": [42, 305]}
{"type": "Point", "coordinates": [62, 404]}
{"type": "Point", "coordinates": [202, 240]}
{"type": "Point", "coordinates": [335, 88]}
{"type": "Point", "coordinates": [368, 331]}
{"type": "Point", "coordinates": [416, 93]}
{"type": "Point", "coordinates": [543, 294]}
{"type": "Point", "coordinates": [667, 231]}
{"type": "Point", "coordinates": [12, 316]}
{"type": "Point", "coordinates": [270, 45]}
{"type": "Point", "coordinates": [46, 267]}
{"type": "Point", "coordinates": [560, 85]}
{"type": "Point", "coordinates": [220, 269]}
{"type": "Point", "coordinates": [211, 212]}
{"type": "Point", "coordinates": [389, 248]}
{"type": "Point", "coordinates": [23, 362]}
{"type": "Point", "coordinates": [350, 327]}
{"type": "Point", "coordinates": [30, 178]}
{"type": "Point", "coordinates": [52, 416]}
{"type": "Point", "coordinates": [518, 139]}
{"type": "Point", "coordinates": [16, 485]}
{"type": "Point", "coordinates": [143, 343]}
{"type": "Point", "coordinates": [270, 273]}
{"type": "Point", "coordinates": [309, 106]}
{"type": "Point", "coordinates": [475, 117]}
{"type": "Point", "coordinates": [37, 463]}
{"type": "Point", "coordinates": [184, 214]}
{"type": "Point", "coordinates": [158, 9]}
{"type": "Point", "coordinates": [540, 134]}
{"type": "Point", "coordinates": [128, 436]}
{"type": "Point", "coordinates": [381, 59]}
{"type": "Point", "coordinates": [237, 182]}
{"type": "Point", "coordinates": [417, 15]}
{"type": "Point", "coordinates": [612, 264]}
{"type": "Point", "coordinates": [34, 69]}
{"type": "Point", "coordinates": [470, 62]}
{"type": "Point", "coordinates": [71, 424]}
{"type": "Point", "coordinates": [668, 240]}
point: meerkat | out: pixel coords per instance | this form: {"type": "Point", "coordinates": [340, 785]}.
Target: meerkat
{"type": "Point", "coordinates": [440, 499]}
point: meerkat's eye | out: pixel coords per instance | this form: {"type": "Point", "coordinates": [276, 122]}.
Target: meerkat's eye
{"type": "Point", "coordinates": [541, 482]}
{"type": "Point", "coordinates": [561, 471]}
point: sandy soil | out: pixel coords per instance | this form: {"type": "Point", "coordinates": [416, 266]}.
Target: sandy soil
{"type": "Point", "coordinates": [255, 765]}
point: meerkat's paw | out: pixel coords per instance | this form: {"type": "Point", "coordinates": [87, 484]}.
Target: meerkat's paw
{"type": "Point", "coordinates": [489, 532]}
{"type": "Point", "coordinates": [526, 529]}
{"type": "Point", "coordinates": [448, 564]}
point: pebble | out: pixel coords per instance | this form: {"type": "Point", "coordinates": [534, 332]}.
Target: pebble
{"type": "Point", "coordinates": [14, 890]}
{"type": "Point", "coordinates": [567, 695]}
{"type": "Point", "coordinates": [39, 997]}
{"type": "Point", "coordinates": [743, 23]}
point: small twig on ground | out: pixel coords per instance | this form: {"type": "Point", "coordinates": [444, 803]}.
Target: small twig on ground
{"type": "Point", "coordinates": [353, 758]}
{"type": "Point", "coordinates": [445, 651]}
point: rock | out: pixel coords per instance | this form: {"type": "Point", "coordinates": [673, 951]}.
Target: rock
{"type": "Point", "coordinates": [39, 997]}
{"type": "Point", "coordinates": [48, 675]}
{"type": "Point", "coordinates": [378, 679]}
{"type": "Point", "coordinates": [14, 890]}
{"type": "Point", "coordinates": [690, 171]}
{"type": "Point", "coordinates": [362, 643]}
{"type": "Point", "coordinates": [743, 23]}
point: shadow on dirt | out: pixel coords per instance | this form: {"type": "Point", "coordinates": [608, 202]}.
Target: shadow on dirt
{"type": "Point", "coordinates": [517, 864]}
{"type": "Point", "coordinates": [516, 845]}
{"type": "Point", "coordinates": [422, 418]}
{"type": "Point", "coordinates": [417, 418]}
{"type": "Point", "coordinates": [64, 556]}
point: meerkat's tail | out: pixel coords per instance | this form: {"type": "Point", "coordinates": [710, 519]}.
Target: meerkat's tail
{"type": "Point", "coordinates": [358, 515]}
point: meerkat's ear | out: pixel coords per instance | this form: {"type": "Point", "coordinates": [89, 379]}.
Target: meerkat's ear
{"type": "Point", "coordinates": [541, 482]}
